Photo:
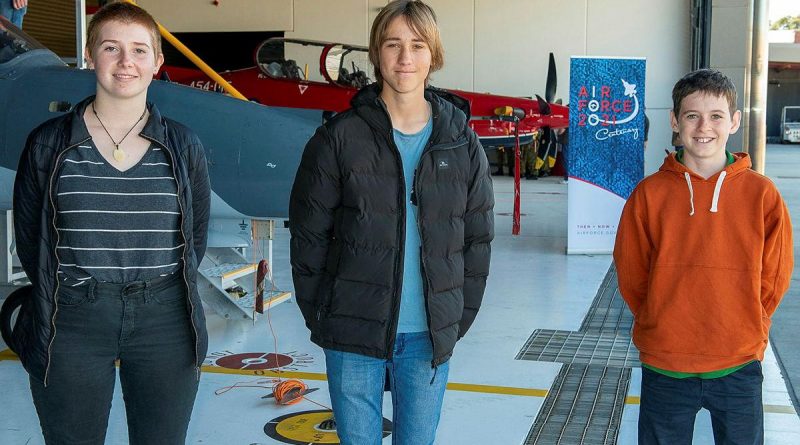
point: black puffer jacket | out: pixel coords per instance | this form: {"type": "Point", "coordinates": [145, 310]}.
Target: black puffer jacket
{"type": "Point", "coordinates": [347, 220]}
{"type": "Point", "coordinates": [35, 188]}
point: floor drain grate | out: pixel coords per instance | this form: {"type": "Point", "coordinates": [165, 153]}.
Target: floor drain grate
{"type": "Point", "coordinates": [584, 406]}
{"type": "Point", "coordinates": [604, 349]}
{"type": "Point", "coordinates": [608, 312]}
{"type": "Point", "coordinates": [585, 403]}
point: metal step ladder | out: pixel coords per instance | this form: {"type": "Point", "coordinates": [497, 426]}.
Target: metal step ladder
{"type": "Point", "coordinates": [226, 284]}
{"type": "Point", "coordinates": [11, 274]}
{"type": "Point", "coordinates": [221, 270]}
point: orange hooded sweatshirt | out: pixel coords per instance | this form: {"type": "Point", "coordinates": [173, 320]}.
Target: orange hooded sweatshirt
{"type": "Point", "coordinates": [703, 264]}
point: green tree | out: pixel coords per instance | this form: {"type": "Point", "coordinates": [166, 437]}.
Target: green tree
{"type": "Point", "coordinates": [788, 22]}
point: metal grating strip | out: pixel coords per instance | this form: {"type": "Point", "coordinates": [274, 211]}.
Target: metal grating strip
{"type": "Point", "coordinates": [585, 402]}
{"type": "Point", "coordinates": [584, 406]}
{"type": "Point", "coordinates": [568, 347]}
{"type": "Point", "coordinates": [608, 311]}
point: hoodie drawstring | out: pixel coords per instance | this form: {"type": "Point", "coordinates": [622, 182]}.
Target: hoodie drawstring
{"type": "Point", "coordinates": [717, 189]}
{"type": "Point", "coordinates": [691, 191]}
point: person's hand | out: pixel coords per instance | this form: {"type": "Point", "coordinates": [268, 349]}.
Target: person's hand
{"type": "Point", "coordinates": [19, 4]}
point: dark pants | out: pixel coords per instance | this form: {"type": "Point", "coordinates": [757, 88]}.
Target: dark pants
{"type": "Point", "coordinates": [669, 406]}
{"type": "Point", "coordinates": [148, 329]}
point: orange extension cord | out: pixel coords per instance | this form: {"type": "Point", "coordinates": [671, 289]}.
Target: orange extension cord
{"type": "Point", "coordinates": [281, 388]}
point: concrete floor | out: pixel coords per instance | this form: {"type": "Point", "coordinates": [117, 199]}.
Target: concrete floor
{"type": "Point", "coordinates": [492, 398]}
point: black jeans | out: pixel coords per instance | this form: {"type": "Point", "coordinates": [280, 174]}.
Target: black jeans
{"type": "Point", "coordinates": [669, 406]}
{"type": "Point", "coordinates": [146, 326]}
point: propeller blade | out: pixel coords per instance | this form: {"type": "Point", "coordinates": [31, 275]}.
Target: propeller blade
{"type": "Point", "coordinates": [552, 80]}
{"type": "Point", "coordinates": [544, 107]}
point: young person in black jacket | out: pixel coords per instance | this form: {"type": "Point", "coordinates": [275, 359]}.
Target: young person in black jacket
{"type": "Point", "coordinates": [111, 205]}
{"type": "Point", "coordinates": [391, 217]}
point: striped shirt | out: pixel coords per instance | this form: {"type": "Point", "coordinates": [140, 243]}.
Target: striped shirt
{"type": "Point", "coordinates": [117, 226]}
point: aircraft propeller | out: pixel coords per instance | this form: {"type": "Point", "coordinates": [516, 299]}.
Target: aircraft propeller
{"type": "Point", "coordinates": [544, 106]}
{"type": "Point", "coordinates": [552, 80]}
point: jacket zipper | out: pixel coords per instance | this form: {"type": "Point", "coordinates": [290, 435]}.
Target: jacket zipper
{"type": "Point", "coordinates": [55, 254]}
{"type": "Point", "coordinates": [185, 247]}
{"type": "Point", "coordinates": [401, 234]}
{"type": "Point", "coordinates": [398, 271]}
{"type": "Point", "coordinates": [401, 231]}
{"type": "Point", "coordinates": [422, 259]}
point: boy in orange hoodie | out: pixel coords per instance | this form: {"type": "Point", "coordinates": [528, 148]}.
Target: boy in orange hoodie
{"type": "Point", "coordinates": [704, 256]}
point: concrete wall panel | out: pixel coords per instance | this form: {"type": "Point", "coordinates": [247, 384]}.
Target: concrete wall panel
{"type": "Point", "coordinates": [513, 39]}
{"type": "Point", "coordinates": [228, 16]}
{"type": "Point", "coordinates": [344, 21]}
{"type": "Point", "coordinates": [456, 25]}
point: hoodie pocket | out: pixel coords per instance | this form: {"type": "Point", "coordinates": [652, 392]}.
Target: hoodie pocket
{"type": "Point", "coordinates": [698, 310]}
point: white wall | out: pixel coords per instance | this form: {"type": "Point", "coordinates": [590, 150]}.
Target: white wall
{"type": "Point", "coordinates": [730, 53]}
{"type": "Point", "coordinates": [343, 21]}
{"type": "Point", "coordinates": [230, 16]}
{"type": "Point", "coordinates": [456, 20]}
{"type": "Point", "coordinates": [784, 52]}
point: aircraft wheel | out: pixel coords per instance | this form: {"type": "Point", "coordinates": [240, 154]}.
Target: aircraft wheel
{"type": "Point", "coordinates": [9, 310]}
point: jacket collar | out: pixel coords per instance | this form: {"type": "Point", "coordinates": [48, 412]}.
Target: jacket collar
{"type": "Point", "coordinates": [447, 109]}
{"type": "Point", "coordinates": [154, 129]}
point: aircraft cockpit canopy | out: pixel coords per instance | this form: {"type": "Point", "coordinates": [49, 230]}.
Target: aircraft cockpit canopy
{"type": "Point", "coordinates": [13, 41]}
{"type": "Point", "coordinates": [311, 61]}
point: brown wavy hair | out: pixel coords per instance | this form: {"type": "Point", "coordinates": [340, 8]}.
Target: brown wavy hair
{"type": "Point", "coordinates": [420, 18]}
{"type": "Point", "coordinates": [707, 81]}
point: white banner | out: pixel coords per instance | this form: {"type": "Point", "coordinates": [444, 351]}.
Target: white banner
{"type": "Point", "coordinates": [606, 147]}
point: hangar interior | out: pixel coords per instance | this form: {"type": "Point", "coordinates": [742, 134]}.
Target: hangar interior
{"type": "Point", "coordinates": [549, 359]}
{"type": "Point", "coordinates": [499, 48]}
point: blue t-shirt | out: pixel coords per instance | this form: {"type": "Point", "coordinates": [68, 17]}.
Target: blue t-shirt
{"type": "Point", "coordinates": [412, 300]}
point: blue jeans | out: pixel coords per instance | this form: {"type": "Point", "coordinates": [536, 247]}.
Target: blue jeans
{"type": "Point", "coordinates": [13, 15]}
{"type": "Point", "coordinates": [669, 406]}
{"type": "Point", "coordinates": [149, 331]}
{"type": "Point", "coordinates": [356, 385]}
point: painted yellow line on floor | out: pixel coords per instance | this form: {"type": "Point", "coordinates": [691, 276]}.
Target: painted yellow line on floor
{"type": "Point", "coordinates": [774, 409]}
{"type": "Point", "coordinates": [779, 409]}
{"type": "Point", "coordinates": [491, 389]}
{"type": "Point", "coordinates": [453, 386]}
{"type": "Point", "coordinates": [6, 354]}
{"type": "Point", "coordinates": [488, 389]}
{"type": "Point", "coordinates": [266, 373]}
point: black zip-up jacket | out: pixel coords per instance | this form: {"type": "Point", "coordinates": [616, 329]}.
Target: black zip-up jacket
{"type": "Point", "coordinates": [35, 189]}
{"type": "Point", "coordinates": [347, 221]}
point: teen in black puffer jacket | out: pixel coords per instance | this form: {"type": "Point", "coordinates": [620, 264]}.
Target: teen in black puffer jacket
{"type": "Point", "coordinates": [347, 221]}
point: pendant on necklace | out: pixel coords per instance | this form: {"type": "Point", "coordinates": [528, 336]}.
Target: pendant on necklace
{"type": "Point", "coordinates": [119, 155]}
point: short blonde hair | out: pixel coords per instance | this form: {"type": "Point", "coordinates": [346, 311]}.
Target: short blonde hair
{"type": "Point", "coordinates": [126, 13]}
{"type": "Point", "coordinates": [420, 18]}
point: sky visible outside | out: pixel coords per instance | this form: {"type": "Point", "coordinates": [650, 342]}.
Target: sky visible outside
{"type": "Point", "coordinates": [782, 8]}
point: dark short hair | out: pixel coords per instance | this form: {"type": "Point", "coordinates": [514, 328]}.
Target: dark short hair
{"type": "Point", "coordinates": [420, 18]}
{"type": "Point", "coordinates": [126, 13]}
{"type": "Point", "coordinates": [708, 81]}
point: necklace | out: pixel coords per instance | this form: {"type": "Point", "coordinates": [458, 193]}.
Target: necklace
{"type": "Point", "coordinates": [118, 153]}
